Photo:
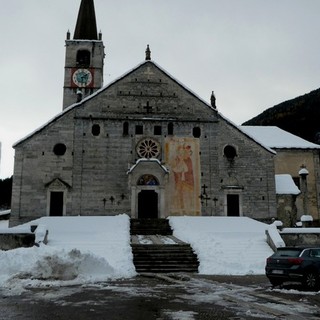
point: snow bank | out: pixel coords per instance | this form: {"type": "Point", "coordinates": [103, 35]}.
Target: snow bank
{"type": "Point", "coordinates": [93, 249]}
{"type": "Point", "coordinates": [80, 250]}
{"type": "Point", "coordinates": [275, 236]}
{"type": "Point", "coordinates": [225, 245]}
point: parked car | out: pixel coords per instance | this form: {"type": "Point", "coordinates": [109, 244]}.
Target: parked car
{"type": "Point", "coordinates": [295, 264]}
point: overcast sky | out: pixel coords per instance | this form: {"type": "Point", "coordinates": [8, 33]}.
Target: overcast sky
{"type": "Point", "coordinates": [254, 54]}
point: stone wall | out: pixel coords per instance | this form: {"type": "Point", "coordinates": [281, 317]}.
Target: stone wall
{"type": "Point", "coordinates": [92, 174]}
{"type": "Point", "coordinates": [290, 161]}
{"type": "Point", "coordinates": [287, 210]}
{"type": "Point", "coordinates": [301, 239]}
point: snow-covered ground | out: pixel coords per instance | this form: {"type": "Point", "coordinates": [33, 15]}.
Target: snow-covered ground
{"type": "Point", "coordinates": [91, 249]}
{"type": "Point", "coordinates": [4, 224]}
{"type": "Point", "coordinates": [225, 245]}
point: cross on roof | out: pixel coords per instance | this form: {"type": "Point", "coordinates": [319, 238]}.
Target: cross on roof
{"type": "Point", "coordinates": [148, 72]}
{"type": "Point", "coordinates": [148, 107]}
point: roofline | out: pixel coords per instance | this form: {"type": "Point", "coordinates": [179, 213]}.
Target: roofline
{"type": "Point", "coordinates": [311, 145]}
{"type": "Point", "coordinates": [88, 98]}
{"type": "Point", "coordinates": [247, 135]}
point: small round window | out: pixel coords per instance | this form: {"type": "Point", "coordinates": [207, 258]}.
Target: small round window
{"type": "Point", "coordinates": [59, 149]}
{"type": "Point", "coordinates": [230, 152]}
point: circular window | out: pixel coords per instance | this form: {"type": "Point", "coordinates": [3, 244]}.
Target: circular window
{"type": "Point", "coordinates": [230, 152]}
{"type": "Point", "coordinates": [148, 148]}
{"type": "Point", "coordinates": [59, 149]}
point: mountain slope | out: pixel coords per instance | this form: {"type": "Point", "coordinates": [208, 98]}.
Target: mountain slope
{"type": "Point", "coordinates": [300, 116]}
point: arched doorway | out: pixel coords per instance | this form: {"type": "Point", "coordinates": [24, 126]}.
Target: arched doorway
{"type": "Point", "coordinates": [148, 204]}
{"type": "Point", "coordinates": [147, 180]}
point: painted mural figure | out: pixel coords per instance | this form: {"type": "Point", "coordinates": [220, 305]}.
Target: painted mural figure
{"type": "Point", "coordinates": [182, 168]}
{"type": "Point", "coordinates": [148, 180]}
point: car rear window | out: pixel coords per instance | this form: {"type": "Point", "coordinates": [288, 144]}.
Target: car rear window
{"type": "Point", "coordinates": [288, 253]}
{"type": "Point", "coordinates": [315, 253]}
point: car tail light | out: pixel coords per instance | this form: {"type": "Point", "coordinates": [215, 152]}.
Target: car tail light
{"type": "Point", "coordinates": [295, 261]}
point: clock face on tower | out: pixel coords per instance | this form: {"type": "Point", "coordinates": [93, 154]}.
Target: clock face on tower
{"type": "Point", "coordinates": [82, 77]}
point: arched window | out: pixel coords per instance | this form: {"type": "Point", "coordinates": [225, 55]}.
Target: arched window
{"type": "Point", "coordinates": [83, 58]}
{"type": "Point", "coordinates": [148, 180]}
{"type": "Point", "coordinates": [230, 152]}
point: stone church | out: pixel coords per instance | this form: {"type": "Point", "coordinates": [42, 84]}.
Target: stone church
{"type": "Point", "coordinates": [143, 145]}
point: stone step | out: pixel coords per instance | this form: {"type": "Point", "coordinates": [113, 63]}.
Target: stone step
{"type": "Point", "coordinates": [166, 270]}
{"type": "Point", "coordinates": [155, 239]}
{"type": "Point", "coordinates": [155, 249]}
{"type": "Point", "coordinates": [150, 227]}
{"type": "Point", "coordinates": [164, 258]}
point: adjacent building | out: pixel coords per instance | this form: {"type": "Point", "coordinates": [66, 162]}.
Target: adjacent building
{"type": "Point", "coordinates": [298, 158]}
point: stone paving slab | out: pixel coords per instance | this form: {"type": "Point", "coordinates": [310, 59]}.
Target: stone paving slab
{"type": "Point", "coordinates": [155, 239]}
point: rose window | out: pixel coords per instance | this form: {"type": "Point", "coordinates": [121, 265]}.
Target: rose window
{"type": "Point", "coordinates": [148, 148]}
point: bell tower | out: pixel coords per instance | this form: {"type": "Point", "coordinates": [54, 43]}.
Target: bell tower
{"type": "Point", "coordinates": [83, 73]}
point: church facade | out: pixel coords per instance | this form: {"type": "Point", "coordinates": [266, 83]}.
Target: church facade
{"type": "Point", "coordinates": [143, 145]}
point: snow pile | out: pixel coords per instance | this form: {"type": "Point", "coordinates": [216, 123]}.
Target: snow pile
{"type": "Point", "coordinates": [306, 218]}
{"type": "Point", "coordinates": [79, 250]}
{"type": "Point", "coordinates": [225, 245]}
{"type": "Point", "coordinates": [93, 249]}
{"type": "Point", "coordinates": [274, 234]}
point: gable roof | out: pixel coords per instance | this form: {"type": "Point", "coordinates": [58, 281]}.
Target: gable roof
{"type": "Point", "coordinates": [276, 138]}
{"type": "Point", "coordinates": [75, 105]}
{"type": "Point", "coordinates": [145, 62]}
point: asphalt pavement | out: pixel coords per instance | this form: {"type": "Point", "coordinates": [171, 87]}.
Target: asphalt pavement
{"type": "Point", "coordinates": [164, 296]}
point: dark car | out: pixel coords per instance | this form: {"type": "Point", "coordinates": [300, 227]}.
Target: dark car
{"type": "Point", "coordinates": [295, 264]}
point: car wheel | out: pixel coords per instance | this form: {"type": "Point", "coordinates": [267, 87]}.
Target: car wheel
{"type": "Point", "coordinates": [311, 280]}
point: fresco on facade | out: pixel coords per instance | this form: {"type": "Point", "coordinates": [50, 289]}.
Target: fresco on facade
{"type": "Point", "coordinates": [182, 158]}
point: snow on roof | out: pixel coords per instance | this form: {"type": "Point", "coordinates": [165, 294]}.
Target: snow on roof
{"type": "Point", "coordinates": [147, 160]}
{"type": "Point", "coordinates": [275, 137]}
{"type": "Point", "coordinates": [5, 212]}
{"type": "Point", "coordinates": [240, 128]}
{"type": "Point", "coordinates": [303, 171]}
{"type": "Point", "coordinates": [285, 184]}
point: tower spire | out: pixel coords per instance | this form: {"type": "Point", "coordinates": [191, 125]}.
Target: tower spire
{"type": "Point", "coordinates": [86, 27]}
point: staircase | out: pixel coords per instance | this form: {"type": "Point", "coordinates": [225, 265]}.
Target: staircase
{"type": "Point", "coordinates": [150, 227]}
{"type": "Point", "coordinates": [156, 250]}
